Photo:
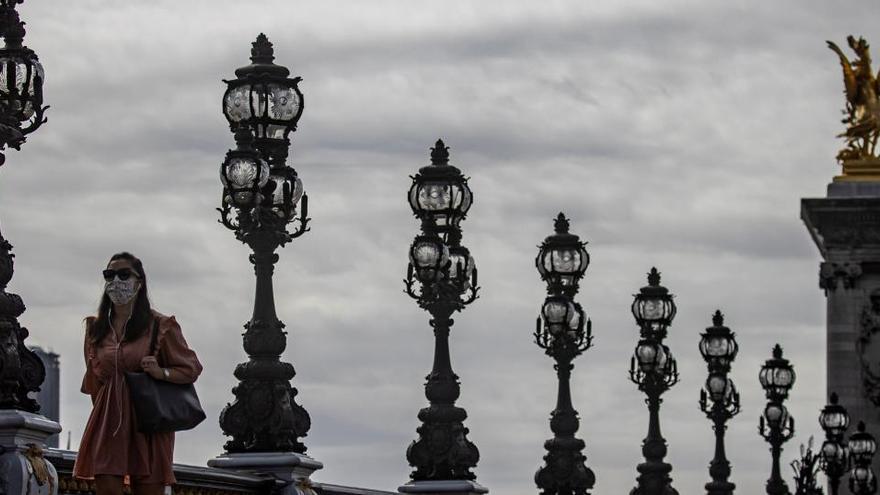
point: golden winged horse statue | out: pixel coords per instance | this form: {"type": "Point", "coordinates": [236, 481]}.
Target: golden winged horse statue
{"type": "Point", "coordinates": [861, 87]}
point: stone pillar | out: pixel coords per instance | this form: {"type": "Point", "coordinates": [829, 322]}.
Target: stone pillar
{"type": "Point", "coordinates": [23, 470]}
{"type": "Point", "coordinates": [845, 226]}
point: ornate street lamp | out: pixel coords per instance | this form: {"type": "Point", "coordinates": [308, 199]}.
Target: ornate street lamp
{"type": "Point", "coordinates": [261, 195]}
{"type": "Point", "coordinates": [21, 112]}
{"type": "Point", "coordinates": [862, 447]}
{"type": "Point", "coordinates": [563, 334]}
{"type": "Point", "coordinates": [834, 456]}
{"type": "Point", "coordinates": [654, 370]}
{"type": "Point", "coordinates": [719, 348]}
{"type": "Point", "coordinates": [21, 82]}
{"type": "Point", "coordinates": [442, 278]}
{"type": "Point", "coordinates": [440, 196]}
{"type": "Point", "coordinates": [776, 426]}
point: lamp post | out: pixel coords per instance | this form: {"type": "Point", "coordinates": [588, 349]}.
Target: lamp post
{"type": "Point", "coordinates": [442, 278]}
{"type": "Point", "coordinates": [862, 447]}
{"type": "Point", "coordinates": [776, 426]}
{"type": "Point", "coordinates": [654, 370]}
{"type": "Point", "coordinates": [23, 432]}
{"type": "Point", "coordinates": [834, 456]}
{"type": "Point", "coordinates": [261, 196]}
{"type": "Point", "coordinates": [563, 334]}
{"type": "Point", "coordinates": [719, 348]}
{"type": "Point", "coordinates": [21, 112]}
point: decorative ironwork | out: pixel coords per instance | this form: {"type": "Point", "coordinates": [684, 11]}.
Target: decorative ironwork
{"type": "Point", "coordinates": [260, 198]}
{"type": "Point", "coordinates": [719, 348]}
{"type": "Point", "coordinates": [834, 457]}
{"type": "Point", "coordinates": [21, 97]}
{"type": "Point", "coordinates": [563, 334]}
{"type": "Point", "coordinates": [442, 278]}
{"type": "Point", "coordinates": [776, 426]}
{"type": "Point", "coordinates": [655, 371]}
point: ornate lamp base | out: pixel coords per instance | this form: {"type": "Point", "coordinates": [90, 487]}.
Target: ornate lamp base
{"type": "Point", "coordinates": [444, 487]}
{"type": "Point", "coordinates": [290, 468]}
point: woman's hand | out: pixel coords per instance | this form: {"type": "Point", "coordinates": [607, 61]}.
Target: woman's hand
{"type": "Point", "coordinates": [151, 367]}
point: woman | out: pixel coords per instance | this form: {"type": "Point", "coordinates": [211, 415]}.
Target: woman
{"type": "Point", "coordinates": [112, 451]}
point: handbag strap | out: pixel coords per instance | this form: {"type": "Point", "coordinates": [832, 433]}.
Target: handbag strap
{"type": "Point", "coordinates": [154, 336]}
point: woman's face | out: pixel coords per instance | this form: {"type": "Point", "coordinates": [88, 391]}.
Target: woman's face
{"type": "Point", "coordinates": [122, 282]}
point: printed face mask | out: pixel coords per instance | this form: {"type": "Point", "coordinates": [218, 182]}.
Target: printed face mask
{"type": "Point", "coordinates": [121, 291]}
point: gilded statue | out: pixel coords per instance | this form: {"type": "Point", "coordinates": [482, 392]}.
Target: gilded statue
{"type": "Point", "coordinates": [862, 112]}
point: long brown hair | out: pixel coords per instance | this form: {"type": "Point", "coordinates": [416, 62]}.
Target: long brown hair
{"type": "Point", "coordinates": [141, 313]}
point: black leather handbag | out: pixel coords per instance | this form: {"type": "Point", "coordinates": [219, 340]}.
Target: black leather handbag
{"type": "Point", "coordinates": [159, 405]}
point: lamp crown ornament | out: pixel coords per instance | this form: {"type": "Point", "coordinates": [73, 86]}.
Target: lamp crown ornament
{"type": "Point", "coordinates": [440, 153]}
{"type": "Point", "coordinates": [654, 277]}
{"type": "Point", "coordinates": [561, 224]}
{"type": "Point", "coordinates": [718, 318]}
{"type": "Point", "coordinates": [262, 51]}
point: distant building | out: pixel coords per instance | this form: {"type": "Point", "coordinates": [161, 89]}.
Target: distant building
{"type": "Point", "coordinates": [49, 394]}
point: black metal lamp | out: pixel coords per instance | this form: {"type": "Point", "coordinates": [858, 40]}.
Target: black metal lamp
{"type": "Point", "coordinates": [440, 195]}
{"type": "Point", "coordinates": [718, 345]}
{"type": "Point", "coordinates": [862, 448]}
{"type": "Point", "coordinates": [777, 376]}
{"type": "Point", "coordinates": [264, 99]}
{"type": "Point", "coordinates": [261, 196]}
{"type": "Point", "coordinates": [653, 307]}
{"type": "Point", "coordinates": [442, 278]}
{"type": "Point", "coordinates": [563, 258]}
{"type": "Point", "coordinates": [243, 173]}
{"type": "Point", "coordinates": [655, 371]}
{"type": "Point", "coordinates": [834, 419]}
{"type": "Point", "coordinates": [429, 257]}
{"type": "Point", "coordinates": [21, 81]}
{"type": "Point", "coordinates": [564, 332]}
{"type": "Point", "coordinates": [776, 426]}
{"type": "Point", "coordinates": [834, 456]}
{"type": "Point", "coordinates": [21, 112]}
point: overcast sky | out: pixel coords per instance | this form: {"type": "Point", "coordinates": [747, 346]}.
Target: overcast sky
{"type": "Point", "coordinates": [676, 134]}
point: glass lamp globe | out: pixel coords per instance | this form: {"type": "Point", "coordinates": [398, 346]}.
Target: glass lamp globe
{"type": "Point", "coordinates": [652, 357]}
{"type": "Point", "coordinates": [562, 259]}
{"type": "Point", "coordinates": [776, 414]}
{"type": "Point", "coordinates": [429, 256]}
{"type": "Point", "coordinates": [777, 375]}
{"type": "Point", "coordinates": [718, 345]}
{"type": "Point", "coordinates": [263, 97]}
{"type": "Point", "coordinates": [439, 193]}
{"type": "Point", "coordinates": [653, 307]}
{"type": "Point", "coordinates": [834, 418]}
{"type": "Point", "coordinates": [862, 445]}
{"type": "Point", "coordinates": [719, 387]}
{"type": "Point", "coordinates": [286, 191]}
{"type": "Point", "coordinates": [862, 475]}
{"type": "Point", "coordinates": [561, 315]}
{"type": "Point", "coordinates": [462, 267]}
{"type": "Point", "coordinates": [243, 174]}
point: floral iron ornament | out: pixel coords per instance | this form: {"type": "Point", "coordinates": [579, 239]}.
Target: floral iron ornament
{"type": "Point", "coordinates": [859, 159]}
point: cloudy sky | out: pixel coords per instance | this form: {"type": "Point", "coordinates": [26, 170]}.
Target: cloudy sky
{"type": "Point", "coordinates": [677, 134]}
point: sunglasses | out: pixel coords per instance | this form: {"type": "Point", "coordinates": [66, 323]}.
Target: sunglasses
{"type": "Point", "coordinates": [121, 274]}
